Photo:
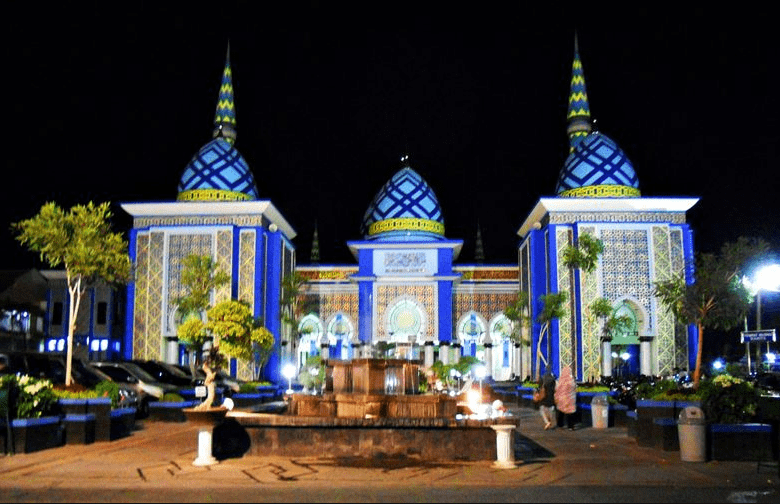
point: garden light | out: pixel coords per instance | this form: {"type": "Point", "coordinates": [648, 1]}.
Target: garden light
{"type": "Point", "coordinates": [289, 372]}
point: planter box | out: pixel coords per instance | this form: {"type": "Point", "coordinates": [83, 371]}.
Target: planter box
{"type": "Point", "coordinates": [79, 428]}
{"type": "Point", "coordinates": [72, 406]}
{"type": "Point", "coordinates": [618, 415]}
{"type": "Point", "coordinates": [33, 434]}
{"type": "Point", "coordinates": [101, 408]}
{"type": "Point", "coordinates": [170, 411]}
{"type": "Point", "coordinates": [665, 436]}
{"type": "Point", "coordinates": [631, 423]}
{"type": "Point", "coordinates": [646, 412]}
{"type": "Point", "coordinates": [122, 422]}
{"type": "Point", "coordinates": [752, 441]}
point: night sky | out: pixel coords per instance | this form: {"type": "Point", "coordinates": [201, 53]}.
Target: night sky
{"type": "Point", "coordinates": [110, 104]}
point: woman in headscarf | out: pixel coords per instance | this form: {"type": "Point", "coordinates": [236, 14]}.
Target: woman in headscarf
{"type": "Point", "coordinates": [566, 396]}
{"type": "Point", "coordinates": [547, 404]}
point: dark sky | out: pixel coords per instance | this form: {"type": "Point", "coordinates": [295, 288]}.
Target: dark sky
{"type": "Point", "coordinates": [109, 103]}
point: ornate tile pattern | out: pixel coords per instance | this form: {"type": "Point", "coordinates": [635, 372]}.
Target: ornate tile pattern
{"type": "Point", "coordinates": [210, 220]}
{"type": "Point", "coordinates": [152, 347]}
{"type": "Point", "coordinates": [591, 341]}
{"type": "Point", "coordinates": [423, 294]}
{"type": "Point", "coordinates": [141, 302]}
{"type": "Point", "coordinates": [664, 335]}
{"type": "Point", "coordinates": [626, 267]}
{"type": "Point", "coordinates": [569, 217]}
{"type": "Point", "coordinates": [179, 247]}
{"type": "Point", "coordinates": [246, 268]}
{"type": "Point", "coordinates": [563, 238]}
{"type": "Point", "coordinates": [224, 262]}
{"type": "Point", "coordinates": [340, 302]}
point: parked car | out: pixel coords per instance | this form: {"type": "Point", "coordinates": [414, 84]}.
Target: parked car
{"type": "Point", "coordinates": [147, 387]}
{"type": "Point", "coordinates": [51, 365]}
{"type": "Point", "coordinates": [166, 373]}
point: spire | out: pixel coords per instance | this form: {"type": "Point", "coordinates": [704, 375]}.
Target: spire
{"type": "Point", "coordinates": [315, 246]}
{"type": "Point", "coordinates": [579, 111]}
{"type": "Point", "coordinates": [479, 252]}
{"type": "Point", "coordinates": [405, 161]}
{"type": "Point", "coordinates": [225, 117]}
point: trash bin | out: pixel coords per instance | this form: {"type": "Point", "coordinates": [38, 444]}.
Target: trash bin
{"type": "Point", "coordinates": [692, 434]}
{"type": "Point", "coordinates": [599, 410]}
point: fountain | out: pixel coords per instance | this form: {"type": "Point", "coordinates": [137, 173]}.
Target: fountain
{"type": "Point", "coordinates": [371, 408]}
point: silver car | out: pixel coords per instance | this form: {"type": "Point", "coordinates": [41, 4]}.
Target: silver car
{"type": "Point", "coordinates": [146, 386]}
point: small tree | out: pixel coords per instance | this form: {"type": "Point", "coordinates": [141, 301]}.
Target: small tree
{"type": "Point", "coordinates": [83, 242]}
{"type": "Point", "coordinates": [240, 334]}
{"type": "Point", "coordinates": [518, 314]}
{"type": "Point", "coordinates": [717, 298]}
{"type": "Point", "coordinates": [552, 308]}
{"type": "Point", "coordinates": [601, 309]}
{"type": "Point", "coordinates": [293, 301]}
{"type": "Point", "coordinates": [199, 277]}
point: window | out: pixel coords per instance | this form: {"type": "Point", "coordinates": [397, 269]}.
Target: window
{"type": "Point", "coordinates": [56, 313]}
{"type": "Point", "coordinates": [102, 312]}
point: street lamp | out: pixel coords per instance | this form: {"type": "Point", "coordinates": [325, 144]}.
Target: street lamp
{"type": "Point", "coordinates": [289, 372]}
{"type": "Point", "coordinates": [765, 278]}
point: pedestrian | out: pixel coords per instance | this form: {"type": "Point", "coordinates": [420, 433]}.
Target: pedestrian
{"type": "Point", "coordinates": [547, 404]}
{"type": "Point", "coordinates": [566, 396]}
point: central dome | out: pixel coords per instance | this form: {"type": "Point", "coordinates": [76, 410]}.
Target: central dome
{"type": "Point", "coordinates": [404, 209]}
{"type": "Point", "coordinates": [218, 172]}
{"type": "Point", "coordinates": [597, 168]}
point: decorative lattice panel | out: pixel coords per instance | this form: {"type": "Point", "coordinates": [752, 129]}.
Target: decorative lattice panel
{"type": "Point", "coordinates": [563, 238]}
{"type": "Point", "coordinates": [246, 267]}
{"type": "Point", "coordinates": [626, 267]}
{"type": "Point", "coordinates": [487, 305]}
{"type": "Point", "coordinates": [341, 302]}
{"type": "Point", "coordinates": [591, 341]}
{"type": "Point", "coordinates": [179, 247]}
{"type": "Point", "coordinates": [153, 342]}
{"type": "Point", "coordinates": [422, 294]}
{"type": "Point", "coordinates": [141, 301]}
{"type": "Point", "coordinates": [664, 336]}
{"type": "Point", "coordinates": [678, 267]}
{"type": "Point", "coordinates": [224, 262]}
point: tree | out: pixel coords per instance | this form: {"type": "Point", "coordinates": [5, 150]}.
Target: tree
{"type": "Point", "coordinates": [552, 308]}
{"type": "Point", "coordinates": [199, 277]}
{"type": "Point", "coordinates": [601, 309]}
{"type": "Point", "coordinates": [717, 298]}
{"type": "Point", "coordinates": [293, 300]}
{"type": "Point", "coordinates": [239, 333]}
{"type": "Point", "coordinates": [82, 241]}
{"type": "Point", "coordinates": [518, 314]}
{"type": "Point", "coordinates": [584, 255]}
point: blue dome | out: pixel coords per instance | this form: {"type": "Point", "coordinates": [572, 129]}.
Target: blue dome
{"type": "Point", "coordinates": [217, 172]}
{"type": "Point", "coordinates": [597, 168]}
{"type": "Point", "coordinates": [405, 208]}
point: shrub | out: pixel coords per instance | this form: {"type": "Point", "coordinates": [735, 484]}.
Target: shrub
{"type": "Point", "coordinates": [110, 389]}
{"type": "Point", "coordinates": [728, 399]}
{"type": "Point", "coordinates": [75, 394]}
{"type": "Point", "coordinates": [171, 397]}
{"type": "Point", "coordinates": [34, 397]}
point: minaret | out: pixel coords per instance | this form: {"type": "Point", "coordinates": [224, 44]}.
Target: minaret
{"type": "Point", "coordinates": [579, 111]}
{"type": "Point", "coordinates": [479, 252]}
{"type": "Point", "coordinates": [225, 117]}
{"type": "Point", "coordinates": [315, 247]}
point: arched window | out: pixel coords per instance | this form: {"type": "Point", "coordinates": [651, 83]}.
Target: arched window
{"type": "Point", "coordinates": [471, 333]}
{"type": "Point", "coordinates": [405, 322]}
{"type": "Point", "coordinates": [629, 335]}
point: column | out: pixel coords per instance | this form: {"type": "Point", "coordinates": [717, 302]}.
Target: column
{"type": "Point", "coordinates": [606, 356]}
{"type": "Point", "coordinates": [488, 360]}
{"type": "Point", "coordinates": [428, 354]}
{"type": "Point", "coordinates": [444, 352]}
{"type": "Point", "coordinates": [457, 351]}
{"type": "Point", "coordinates": [645, 355]}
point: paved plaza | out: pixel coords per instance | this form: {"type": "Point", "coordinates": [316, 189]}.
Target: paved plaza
{"type": "Point", "coordinates": [154, 464]}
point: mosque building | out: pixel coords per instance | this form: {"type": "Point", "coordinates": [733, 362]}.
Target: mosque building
{"type": "Point", "coordinates": [406, 291]}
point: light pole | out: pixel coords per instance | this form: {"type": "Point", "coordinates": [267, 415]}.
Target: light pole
{"type": "Point", "coordinates": [765, 278]}
{"type": "Point", "coordinates": [480, 372]}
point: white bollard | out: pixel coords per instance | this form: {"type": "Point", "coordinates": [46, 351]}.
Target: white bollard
{"type": "Point", "coordinates": [204, 448]}
{"type": "Point", "coordinates": [505, 453]}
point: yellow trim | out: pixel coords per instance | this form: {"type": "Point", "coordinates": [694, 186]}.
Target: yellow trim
{"type": "Point", "coordinates": [212, 195]}
{"type": "Point", "coordinates": [602, 191]}
{"type": "Point", "coordinates": [406, 224]}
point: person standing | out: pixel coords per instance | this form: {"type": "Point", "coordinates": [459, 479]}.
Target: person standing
{"type": "Point", "coordinates": [547, 404]}
{"type": "Point", "coordinates": [566, 396]}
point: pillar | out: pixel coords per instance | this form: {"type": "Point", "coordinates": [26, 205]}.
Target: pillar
{"type": "Point", "coordinates": [505, 452]}
{"type": "Point", "coordinates": [444, 352]}
{"type": "Point", "coordinates": [488, 360]}
{"type": "Point", "coordinates": [645, 355]}
{"type": "Point", "coordinates": [606, 356]}
{"type": "Point", "coordinates": [428, 362]}
{"type": "Point", "coordinates": [204, 447]}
